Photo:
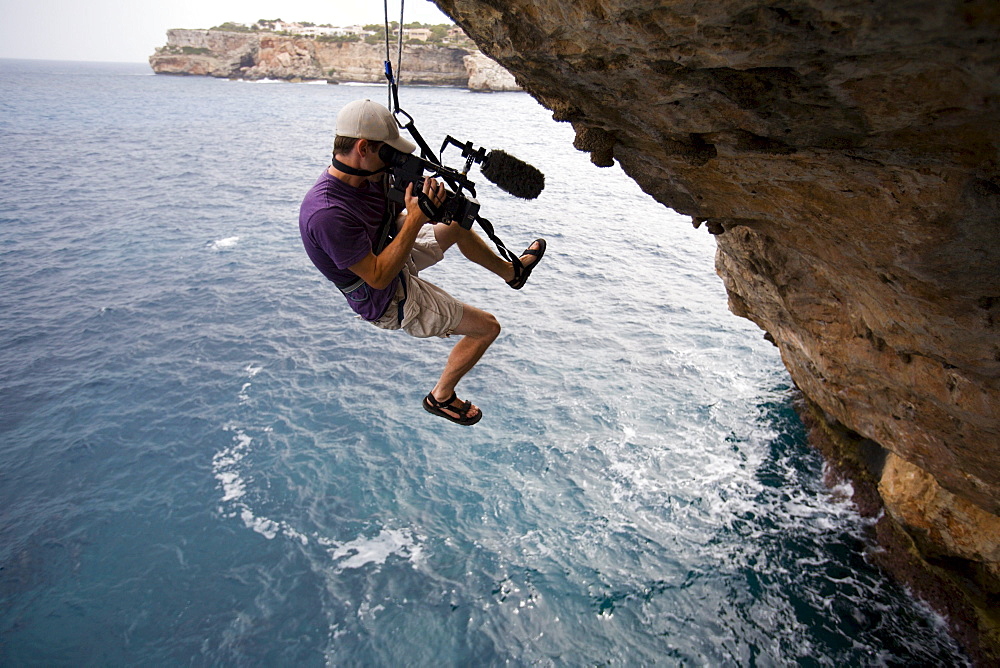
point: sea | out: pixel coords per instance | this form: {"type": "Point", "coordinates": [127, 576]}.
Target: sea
{"type": "Point", "coordinates": [205, 460]}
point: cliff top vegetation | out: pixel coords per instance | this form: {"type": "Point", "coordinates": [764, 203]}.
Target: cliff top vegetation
{"type": "Point", "coordinates": [438, 34]}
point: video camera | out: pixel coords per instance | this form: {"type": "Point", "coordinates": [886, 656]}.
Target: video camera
{"type": "Point", "coordinates": [507, 172]}
{"type": "Point", "coordinates": [406, 168]}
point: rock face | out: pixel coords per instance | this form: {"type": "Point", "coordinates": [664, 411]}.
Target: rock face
{"type": "Point", "coordinates": [487, 75]}
{"type": "Point", "coordinates": [846, 152]}
{"type": "Point", "coordinates": [425, 65]}
{"type": "Point", "coordinates": [938, 520]}
{"type": "Point", "coordinates": [268, 56]}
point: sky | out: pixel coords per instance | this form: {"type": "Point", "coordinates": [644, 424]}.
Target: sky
{"type": "Point", "coordinates": [129, 30]}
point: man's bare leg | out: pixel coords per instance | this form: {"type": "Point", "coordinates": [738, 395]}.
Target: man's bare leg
{"type": "Point", "coordinates": [479, 329]}
{"type": "Point", "coordinates": [476, 250]}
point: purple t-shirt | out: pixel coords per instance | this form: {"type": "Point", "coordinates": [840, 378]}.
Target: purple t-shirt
{"type": "Point", "coordinates": [339, 227]}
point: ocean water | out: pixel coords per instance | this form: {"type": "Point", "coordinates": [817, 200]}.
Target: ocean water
{"type": "Point", "coordinates": [204, 460]}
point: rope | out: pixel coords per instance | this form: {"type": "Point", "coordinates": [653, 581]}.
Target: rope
{"type": "Point", "coordinates": [399, 58]}
{"type": "Point", "coordinates": [393, 80]}
{"type": "Point", "coordinates": [388, 64]}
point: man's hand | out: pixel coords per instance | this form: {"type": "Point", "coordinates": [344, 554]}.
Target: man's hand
{"type": "Point", "coordinates": [379, 270]}
{"type": "Point", "coordinates": [435, 193]}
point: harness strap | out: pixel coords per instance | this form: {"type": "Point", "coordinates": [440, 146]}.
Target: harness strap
{"type": "Point", "coordinates": [384, 234]}
{"type": "Point", "coordinates": [384, 237]}
{"type": "Point", "coordinates": [350, 287]}
{"type": "Point", "coordinates": [399, 306]}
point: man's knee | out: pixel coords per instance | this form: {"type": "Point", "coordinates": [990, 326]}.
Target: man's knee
{"type": "Point", "coordinates": [488, 327]}
{"type": "Point", "coordinates": [478, 324]}
{"type": "Point", "coordinates": [447, 235]}
{"type": "Point", "coordinates": [493, 326]}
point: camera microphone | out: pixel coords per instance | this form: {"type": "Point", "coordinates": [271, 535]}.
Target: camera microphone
{"type": "Point", "coordinates": [512, 175]}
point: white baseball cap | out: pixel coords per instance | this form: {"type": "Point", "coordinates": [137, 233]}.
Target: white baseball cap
{"type": "Point", "coordinates": [364, 119]}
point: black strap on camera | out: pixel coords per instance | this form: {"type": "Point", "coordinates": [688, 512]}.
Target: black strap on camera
{"type": "Point", "coordinates": [353, 171]}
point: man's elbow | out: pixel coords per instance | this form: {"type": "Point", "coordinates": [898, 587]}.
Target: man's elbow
{"type": "Point", "coordinates": [382, 283]}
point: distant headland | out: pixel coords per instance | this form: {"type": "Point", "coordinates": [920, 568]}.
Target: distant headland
{"type": "Point", "coordinates": [433, 55]}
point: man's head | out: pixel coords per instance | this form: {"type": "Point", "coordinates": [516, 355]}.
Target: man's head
{"type": "Point", "coordinates": [364, 119]}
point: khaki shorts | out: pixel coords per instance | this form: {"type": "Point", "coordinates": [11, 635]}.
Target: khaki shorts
{"type": "Point", "coordinates": [428, 310]}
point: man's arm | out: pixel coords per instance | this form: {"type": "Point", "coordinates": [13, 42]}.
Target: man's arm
{"type": "Point", "coordinates": [379, 270]}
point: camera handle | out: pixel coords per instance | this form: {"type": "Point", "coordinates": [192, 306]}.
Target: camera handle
{"type": "Point", "coordinates": [430, 209]}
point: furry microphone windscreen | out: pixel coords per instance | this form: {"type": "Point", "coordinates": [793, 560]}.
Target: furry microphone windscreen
{"type": "Point", "coordinates": [513, 176]}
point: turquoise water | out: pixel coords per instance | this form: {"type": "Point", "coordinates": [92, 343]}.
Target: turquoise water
{"type": "Point", "coordinates": [206, 461]}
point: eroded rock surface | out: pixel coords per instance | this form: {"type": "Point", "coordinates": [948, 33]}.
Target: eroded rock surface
{"type": "Point", "coordinates": [847, 154]}
{"type": "Point", "coordinates": [486, 75]}
{"type": "Point", "coordinates": [945, 525]}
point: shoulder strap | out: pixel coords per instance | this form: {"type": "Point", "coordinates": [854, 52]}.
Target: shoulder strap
{"type": "Point", "coordinates": [386, 229]}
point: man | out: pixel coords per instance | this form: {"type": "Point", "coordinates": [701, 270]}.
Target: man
{"type": "Point", "coordinates": [340, 222]}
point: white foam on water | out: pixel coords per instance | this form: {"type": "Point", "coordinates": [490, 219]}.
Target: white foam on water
{"type": "Point", "coordinates": [232, 485]}
{"type": "Point", "coordinates": [225, 463]}
{"type": "Point", "coordinates": [226, 467]}
{"type": "Point", "coordinates": [222, 244]}
{"type": "Point", "coordinates": [363, 551]}
{"type": "Point", "coordinates": [244, 393]}
{"type": "Point", "coordinates": [267, 528]}
{"type": "Point", "coordinates": [283, 81]}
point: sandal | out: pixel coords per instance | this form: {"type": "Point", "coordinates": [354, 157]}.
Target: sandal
{"type": "Point", "coordinates": [432, 405]}
{"type": "Point", "coordinates": [521, 272]}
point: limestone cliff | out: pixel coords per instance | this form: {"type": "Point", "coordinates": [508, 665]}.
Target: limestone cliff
{"type": "Point", "coordinates": [486, 75]}
{"type": "Point", "coordinates": [846, 152]}
{"type": "Point", "coordinates": [260, 55]}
